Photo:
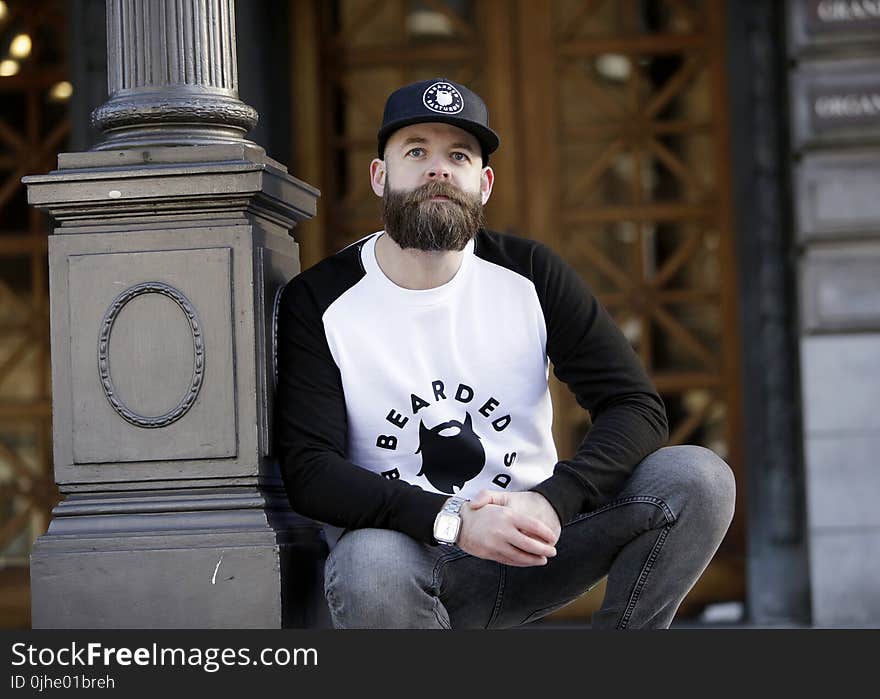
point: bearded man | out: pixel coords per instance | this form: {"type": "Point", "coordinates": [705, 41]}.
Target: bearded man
{"type": "Point", "coordinates": [413, 412]}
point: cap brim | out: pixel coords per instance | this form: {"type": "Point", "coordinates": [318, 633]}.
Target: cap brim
{"type": "Point", "coordinates": [487, 138]}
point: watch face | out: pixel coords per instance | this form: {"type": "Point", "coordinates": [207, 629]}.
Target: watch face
{"type": "Point", "coordinates": [447, 527]}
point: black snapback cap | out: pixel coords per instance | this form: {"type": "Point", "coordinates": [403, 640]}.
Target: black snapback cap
{"type": "Point", "coordinates": [440, 100]}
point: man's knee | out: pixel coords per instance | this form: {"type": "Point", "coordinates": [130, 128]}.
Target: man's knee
{"type": "Point", "coordinates": [374, 575]}
{"type": "Point", "coordinates": [705, 482]}
{"type": "Point", "coordinates": [364, 561]}
{"type": "Point", "coordinates": [689, 479]}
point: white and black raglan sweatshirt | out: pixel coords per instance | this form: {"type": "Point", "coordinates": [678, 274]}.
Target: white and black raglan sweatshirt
{"type": "Point", "coordinates": [389, 399]}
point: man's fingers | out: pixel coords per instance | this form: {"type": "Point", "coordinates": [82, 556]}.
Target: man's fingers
{"type": "Point", "coordinates": [513, 556]}
{"type": "Point", "coordinates": [534, 527]}
{"type": "Point", "coordinates": [532, 546]}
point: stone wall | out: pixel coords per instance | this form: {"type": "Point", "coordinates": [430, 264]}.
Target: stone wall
{"type": "Point", "coordinates": [834, 81]}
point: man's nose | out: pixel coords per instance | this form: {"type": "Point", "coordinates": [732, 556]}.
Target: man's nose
{"type": "Point", "coordinates": [438, 171]}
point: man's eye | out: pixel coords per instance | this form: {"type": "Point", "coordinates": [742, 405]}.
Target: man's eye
{"type": "Point", "coordinates": [416, 152]}
{"type": "Point", "coordinates": [460, 157]}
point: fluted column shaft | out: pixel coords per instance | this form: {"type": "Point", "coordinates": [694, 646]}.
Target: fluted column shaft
{"type": "Point", "coordinates": [172, 75]}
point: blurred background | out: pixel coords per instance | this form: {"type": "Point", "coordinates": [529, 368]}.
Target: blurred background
{"type": "Point", "coordinates": [709, 167]}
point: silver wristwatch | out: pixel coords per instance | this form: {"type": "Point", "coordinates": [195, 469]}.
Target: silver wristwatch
{"type": "Point", "coordinates": [447, 524]}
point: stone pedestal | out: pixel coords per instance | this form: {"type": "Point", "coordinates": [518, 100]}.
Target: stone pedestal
{"type": "Point", "coordinates": [165, 269]}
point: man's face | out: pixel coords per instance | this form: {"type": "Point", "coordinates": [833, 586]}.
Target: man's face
{"type": "Point", "coordinates": [433, 186]}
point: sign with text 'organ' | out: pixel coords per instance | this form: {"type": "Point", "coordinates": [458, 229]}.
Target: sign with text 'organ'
{"type": "Point", "coordinates": [836, 102]}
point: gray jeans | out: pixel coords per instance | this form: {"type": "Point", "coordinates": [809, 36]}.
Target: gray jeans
{"type": "Point", "coordinates": [652, 542]}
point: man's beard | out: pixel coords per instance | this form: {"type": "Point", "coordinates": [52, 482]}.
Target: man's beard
{"type": "Point", "coordinates": [414, 221]}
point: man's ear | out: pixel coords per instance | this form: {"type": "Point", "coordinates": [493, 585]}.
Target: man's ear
{"type": "Point", "coordinates": [487, 179]}
{"type": "Point", "coordinates": [377, 176]}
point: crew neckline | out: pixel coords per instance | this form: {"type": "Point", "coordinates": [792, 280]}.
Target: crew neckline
{"type": "Point", "coordinates": [421, 297]}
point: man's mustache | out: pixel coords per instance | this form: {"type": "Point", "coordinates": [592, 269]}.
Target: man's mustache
{"type": "Point", "coordinates": [436, 188]}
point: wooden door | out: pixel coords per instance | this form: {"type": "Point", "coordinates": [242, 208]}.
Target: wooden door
{"type": "Point", "coordinates": [612, 118]}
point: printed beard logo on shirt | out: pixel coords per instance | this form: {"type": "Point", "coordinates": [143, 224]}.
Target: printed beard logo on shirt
{"type": "Point", "coordinates": [451, 454]}
{"type": "Point", "coordinates": [452, 451]}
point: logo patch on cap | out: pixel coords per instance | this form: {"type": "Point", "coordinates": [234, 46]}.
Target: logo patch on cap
{"type": "Point", "coordinates": [443, 98]}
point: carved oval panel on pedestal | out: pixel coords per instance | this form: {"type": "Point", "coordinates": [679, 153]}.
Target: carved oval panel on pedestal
{"type": "Point", "coordinates": [153, 323]}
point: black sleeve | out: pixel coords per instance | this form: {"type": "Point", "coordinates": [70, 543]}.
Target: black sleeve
{"type": "Point", "coordinates": [590, 354]}
{"type": "Point", "coordinates": [311, 430]}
